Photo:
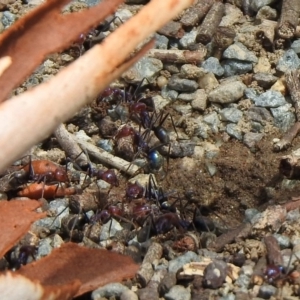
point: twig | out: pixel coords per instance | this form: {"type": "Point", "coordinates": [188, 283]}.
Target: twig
{"type": "Point", "coordinates": [179, 56]}
{"type": "Point", "coordinates": [273, 251]}
{"type": "Point", "coordinates": [107, 158]}
{"type": "Point", "coordinates": [52, 103]}
{"type": "Point", "coordinates": [288, 22]}
{"type": "Point", "coordinates": [209, 25]}
{"type": "Point", "coordinates": [70, 146]}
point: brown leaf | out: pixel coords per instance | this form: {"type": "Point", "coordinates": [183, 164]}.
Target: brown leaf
{"type": "Point", "coordinates": [42, 31]}
{"type": "Point", "coordinates": [93, 267]}
{"type": "Point", "coordinates": [15, 220]}
{"type": "Point", "coordinates": [27, 289]}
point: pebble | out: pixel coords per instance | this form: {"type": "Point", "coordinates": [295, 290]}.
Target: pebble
{"type": "Point", "coordinates": [44, 247]}
{"type": "Point", "coordinates": [212, 120]}
{"type": "Point", "coordinates": [235, 67]}
{"type": "Point", "coordinates": [296, 46]}
{"type": "Point", "coordinates": [208, 82]}
{"type": "Point", "coordinates": [213, 65]}
{"type": "Point", "coordinates": [183, 109]}
{"type": "Point", "coordinates": [259, 114]}
{"type": "Point", "coordinates": [227, 93]}
{"type": "Point", "coordinates": [215, 274]}
{"type": "Point", "coordinates": [234, 131]}
{"type": "Point", "coordinates": [270, 99]}
{"type": "Point", "coordinates": [161, 41]}
{"type": "Point", "coordinates": [178, 292]}
{"type": "Point", "coordinates": [179, 262]}
{"type": "Point", "coordinates": [146, 67]}
{"type": "Point", "coordinates": [265, 80]}
{"type": "Point", "coordinates": [267, 291]}
{"type": "Point", "coordinates": [170, 94]}
{"type": "Point", "coordinates": [190, 71]}
{"type": "Point", "coordinates": [289, 61]}
{"type": "Point", "coordinates": [167, 283]}
{"type": "Point", "coordinates": [251, 138]}
{"type": "Point", "coordinates": [258, 4]}
{"type": "Point", "coordinates": [122, 16]}
{"type": "Point", "coordinates": [238, 51]}
{"type": "Point", "coordinates": [284, 118]}
{"type": "Point", "coordinates": [283, 240]}
{"type": "Point", "coordinates": [8, 19]}
{"type": "Point", "coordinates": [109, 290]}
{"type": "Point", "coordinates": [110, 229]}
{"type": "Point", "coordinates": [182, 85]}
{"type": "Point", "coordinates": [188, 39]}
{"type": "Point", "coordinates": [148, 293]}
{"type": "Point", "coordinates": [128, 295]}
{"type": "Point", "coordinates": [172, 29]}
{"type": "Point", "coordinates": [267, 13]}
{"type": "Point", "coordinates": [199, 101]}
{"type": "Point", "coordinates": [231, 114]}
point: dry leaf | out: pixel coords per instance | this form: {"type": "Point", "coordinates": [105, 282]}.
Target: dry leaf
{"type": "Point", "coordinates": [42, 31]}
{"type": "Point", "coordinates": [93, 267]}
{"type": "Point", "coordinates": [29, 290]}
{"type": "Point", "coordinates": [16, 218]}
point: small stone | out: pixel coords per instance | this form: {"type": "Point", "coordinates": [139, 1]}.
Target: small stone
{"type": "Point", "coordinates": [148, 293]}
{"type": "Point", "coordinates": [146, 67]}
{"type": "Point", "coordinates": [182, 85]}
{"type": "Point", "coordinates": [167, 283]}
{"type": "Point", "coordinates": [265, 80]}
{"type": "Point", "coordinates": [178, 292]}
{"type": "Point", "coordinates": [289, 61]}
{"type": "Point", "coordinates": [227, 92]}
{"type": "Point", "coordinates": [259, 114]}
{"type": "Point", "coordinates": [251, 94]}
{"type": "Point", "coordinates": [191, 71]}
{"type": "Point", "coordinates": [284, 118]}
{"type": "Point", "coordinates": [270, 99]}
{"type": "Point", "coordinates": [128, 295]}
{"type": "Point", "coordinates": [172, 29]}
{"type": "Point", "coordinates": [234, 131]}
{"type": "Point", "coordinates": [44, 248]}
{"type": "Point", "coordinates": [160, 102]}
{"type": "Point", "coordinates": [208, 82]}
{"type": "Point", "coordinates": [183, 109]}
{"type": "Point", "coordinates": [238, 51]}
{"type": "Point", "coordinates": [258, 4]}
{"type": "Point", "coordinates": [170, 94]}
{"type": "Point", "coordinates": [179, 262]}
{"type": "Point", "coordinates": [200, 100]}
{"type": "Point", "coordinates": [296, 46]}
{"type": "Point", "coordinates": [267, 291]}
{"type": "Point", "coordinates": [188, 39]}
{"type": "Point", "coordinates": [109, 229]}
{"type": "Point", "coordinates": [109, 290]}
{"type": "Point", "coordinates": [213, 65]}
{"type": "Point", "coordinates": [251, 138]}
{"type": "Point", "coordinates": [267, 13]}
{"type": "Point", "coordinates": [236, 67]}
{"type": "Point", "coordinates": [215, 274]}
{"type": "Point", "coordinates": [231, 114]}
{"type": "Point", "coordinates": [161, 41]}
{"type": "Point", "coordinates": [263, 65]}
{"type": "Point", "coordinates": [212, 120]}
{"type": "Point", "coordinates": [8, 19]}
{"type": "Point", "coordinates": [122, 15]}
{"type": "Point", "coordinates": [283, 240]}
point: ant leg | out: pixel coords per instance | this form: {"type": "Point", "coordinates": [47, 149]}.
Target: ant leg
{"type": "Point", "coordinates": [139, 87]}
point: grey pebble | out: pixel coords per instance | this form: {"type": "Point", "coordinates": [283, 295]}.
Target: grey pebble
{"type": "Point", "coordinates": [8, 18]}
{"type": "Point", "coordinates": [147, 294]}
{"type": "Point", "coordinates": [215, 274]}
{"type": "Point", "coordinates": [182, 85]}
{"type": "Point", "coordinates": [296, 46]}
{"type": "Point", "coordinates": [161, 41]}
{"type": "Point", "coordinates": [251, 93]}
{"type": "Point", "coordinates": [110, 229]}
{"type": "Point", "coordinates": [266, 291]}
{"type": "Point", "coordinates": [243, 281]}
{"type": "Point", "coordinates": [109, 290]}
{"type": "Point", "coordinates": [227, 92]}
{"type": "Point", "coordinates": [171, 29]}
{"type": "Point", "coordinates": [236, 67]}
{"type": "Point", "coordinates": [251, 138]}
{"type": "Point", "coordinates": [123, 14]}
{"type": "Point", "coordinates": [167, 283]}
{"type": "Point", "coordinates": [267, 12]}
{"type": "Point", "coordinates": [257, 4]}
{"type": "Point", "coordinates": [259, 114]}
{"type": "Point", "coordinates": [284, 118]}
{"type": "Point", "coordinates": [283, 240]}
{"type": "Point", "coordinates": [183, 109]}
{"type": "Point", "coordinates": [212, 120]}
{"type": "Point", "coordinates": [231, 114]}
{"type": "Point", "coordinates": [49, 222]}
{"type": "Point", "coordinates": [234, 131]}
{"type": "Point", "coordinates": [168, 93]}
{"type": "Point", "coordinates": [289, 61]}
{"type": "Point", "coordinates": [188, 39]}
{"type": "Point", "coordinates": [146, 67]}
{"type": "Point", "coordinates": [238, 51]}
{"type": "Point", "coordinates": [106, 145]}
{"type": "Point", "coordinates": [213, 65]}
{"type": "Point", "coordinates": [270, 99]}
{"type": "Point", "coordinates": [265, 80]}
{"type": "Point", "coordinates": [186, 97]}
{"type": "Point", "coordinates": [128, 295]}
{"type": "Point", "coordinates": [60, 207]}
{"type": "Point", "coordinates": [190, 71]}
{"type": "Point", "coordinates": [178, 292]}
{"type": "Point", "coordinates": [44, 247]}
{"type": "Point", "coordinates": [179, 262]}
{"type": "Point", "coordinates": [201, 130]}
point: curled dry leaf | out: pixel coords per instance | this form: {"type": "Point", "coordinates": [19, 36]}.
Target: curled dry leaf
{"type": "Point", "coordinates": [93, 267]}
{"type": "Point", "coordinates": [28, 289]}
{"type": "Point", "coordinates": [16, 218]}
{"type": "Point", "coordinates": [42, 31]}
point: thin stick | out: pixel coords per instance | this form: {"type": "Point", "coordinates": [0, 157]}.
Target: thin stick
{"type": "Point", "coordinates": [32, 116]}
